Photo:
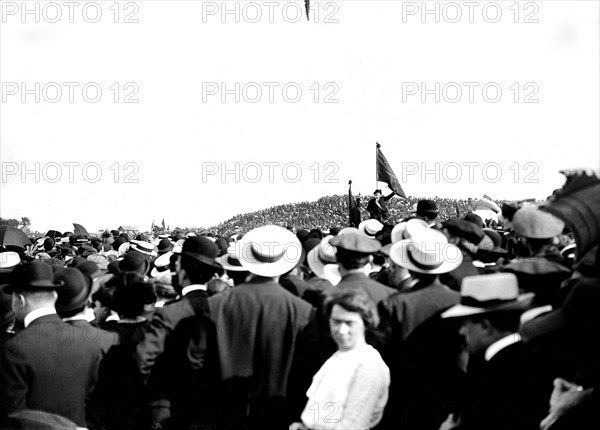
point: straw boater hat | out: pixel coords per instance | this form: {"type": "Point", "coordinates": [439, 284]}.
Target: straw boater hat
{"type": "Point", "coordinates": [348, 230]}
{"type": "Point", "coordinates": [406, 229]}
{"type": "Point", "coordinates": [230, 261]}
{"type": "Point", "coordinates": [489, 293]}
{"type": "Point", "coordinates": [269, 251]}
{"type": "Point", "coordinates": [427, 251]}
{"type": "Point", "coordinates": [370, 227]}
{"type": "Point", "coordinates": [320, 256]}
{"type": "Point", "coordinates": [8, 261]}
{"type": "Point", "coordinates": [144, 247]}
{"type": "Point", "coordinates": [161, 265]}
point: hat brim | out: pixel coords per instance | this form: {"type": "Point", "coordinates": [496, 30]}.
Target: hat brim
{"type": "Point", "coordinates": [289, 260]}
{"type": "Point", "coordinates": [399, 255]}
{"type": "Point", "coordinates": [10, 288]}
{"type": "Point", "coordinates": [223, 261]}
{"type": "Point", "coordinates": [202, 259]}
{"type": "Point", "coordinates": [461, 311]}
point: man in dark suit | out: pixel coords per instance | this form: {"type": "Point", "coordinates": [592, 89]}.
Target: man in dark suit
{"type": "Point", "coordinates": [260, 328]}
{"type": "Point", "coordinates": [377, 206]}
{"type": "Point", "coordinates": [171, 356]}
{"type": "Point", "coordinates": [504, 388]}
{"type": "Point", "coordinates": [49, 365]}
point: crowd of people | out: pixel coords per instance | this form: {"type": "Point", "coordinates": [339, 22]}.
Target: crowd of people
{"type": "Point", "coordinates": [333, 210]}
{"type": "Point", "coordinates": [436, 315]}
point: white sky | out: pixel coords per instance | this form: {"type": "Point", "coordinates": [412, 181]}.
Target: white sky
{"type": "Point", "coordinates": [177, 47]}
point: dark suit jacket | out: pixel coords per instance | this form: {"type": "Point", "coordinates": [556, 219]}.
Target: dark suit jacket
{"type": "Point", "coordinates": [506, 393]}
{"type": "Point", "coordinates": [49, 366]}
{"type": "Point", "coordinates": [376, 290]}
{"type": "Point", "coordinates": [379, 212]}
{"type": "Point", "coordinates": [172, 358]}
{"type": "Point", "coordinates": [257, 326]}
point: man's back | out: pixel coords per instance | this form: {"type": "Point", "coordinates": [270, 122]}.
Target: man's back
{"type": "Point", "coordinates": [257, 324]}
{"type": "Point", "coordinates": [49, 366]}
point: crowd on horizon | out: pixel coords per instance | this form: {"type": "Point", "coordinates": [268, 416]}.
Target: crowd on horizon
{"type": "Point", "coordinates": [418, 314]}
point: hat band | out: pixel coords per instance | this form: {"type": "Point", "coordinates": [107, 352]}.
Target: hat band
{"type": "Point", "coordinates": [421, 265]}
{"type": "Point", "coordinates": [266, 258]}
{"type": "Point", "coordinates": [233, 261]}
{"type": "Point", "coordinates": [474, 303]}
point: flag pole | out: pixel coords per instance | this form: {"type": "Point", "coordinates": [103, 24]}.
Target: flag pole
{"type": "Point", "coordinates": [377, 146]}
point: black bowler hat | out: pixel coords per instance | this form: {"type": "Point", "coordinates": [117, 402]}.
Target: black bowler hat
{"type": "Point", "coordinates": [76, 290]}
{"type": "Point", "coordinates": [201, 249]}
{"type": "Point", "coordinates": [427, 207]}
{"type": "Point", "coordinates": [164, 246]}
{"type": "Point", "coordinates": [31, 276]}
{"type": "Point", "coordinates": [134, 261]}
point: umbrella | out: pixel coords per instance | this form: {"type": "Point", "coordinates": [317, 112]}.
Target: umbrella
{"type": "Point", "coordinates": [53, 234]}
{"type": "Point", "coordinates": [13, 236]}
{"type": "Point", "coordinates": [80, 230]}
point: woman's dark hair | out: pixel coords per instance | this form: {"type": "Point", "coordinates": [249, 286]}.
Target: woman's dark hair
{"type": "Point", "coordinates": [357, 301]}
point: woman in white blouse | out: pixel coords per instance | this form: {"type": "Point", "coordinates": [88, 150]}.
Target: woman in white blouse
{"type": "Point", "coordinates": [350, 390]}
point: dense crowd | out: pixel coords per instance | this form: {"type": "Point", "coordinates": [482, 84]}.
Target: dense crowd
{"type": "Point", "coordinates": [333, 211]}
{"type": "Point", "coordinates": [426, 314]}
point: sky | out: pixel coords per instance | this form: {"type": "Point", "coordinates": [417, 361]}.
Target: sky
{"type": "Point", "coordinates": [124, 113]}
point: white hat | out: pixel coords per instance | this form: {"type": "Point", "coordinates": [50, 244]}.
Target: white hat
{"type": "Point", "coordinates": [427, 251]}
{"type": "Point", "coordinates": [161, 264]}
{"type": "Point", "coordinates": [9, 260]}
{"type": "Point", "coordinates": [348, 230]}
{"type": "Point", "coordinates": [322, 254]}
{"type": "Point", "coordinates": [143, 247]}
{"type": "Point", "coordinates": [269, 251]}
{"type": "Point", "coordinates": [489, 293]}
{"type": "Point", "coordinates": [406, 229]}
{"type": "Point", "coordinates": [370, 227]}
{"type": "Point", "coordinates": [487, 204]}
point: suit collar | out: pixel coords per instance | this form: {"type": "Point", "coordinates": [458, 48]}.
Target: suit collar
{"type": "Point", "coordinates": [38, 313]}
{"type": "Point", "coordinates": [190, 288]}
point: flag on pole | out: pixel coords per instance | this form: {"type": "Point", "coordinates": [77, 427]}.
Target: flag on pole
{"type": "Point", "coordinates": [307, 5]}
{"type": "Point", "coordinates": [352, 209]}
{"type": "Point", "coordinates": [385, 173]}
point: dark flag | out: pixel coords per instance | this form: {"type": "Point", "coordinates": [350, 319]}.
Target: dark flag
{"type": "Point", "coordinates": [353, 210]}
{"type": "Point", "coordinates": [307, 4]}
{"type": "Point", "coordinates": [386, 174]}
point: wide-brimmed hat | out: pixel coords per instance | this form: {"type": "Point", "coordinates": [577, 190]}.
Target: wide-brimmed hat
{"type": "Point", "coordinates": [269, 251]}
{"type": "Point", "coordinates": [370, 227]}
{"type": "Point", "coordinates": [348, 230]}
{"type": "Point", "coordinates": [201, 249]}
{"type": "Point", "coordinates": [8, 261]}
{"type": "Point", "coordinates": [76, 290]}
{"type": "Point", "coordinates": [427, 251]}
{"type": "Point", "coordinates": [534, 223]}
{"type": "Point", "coordinates": [230, 260]}
{"type": "Point", "coordinates": [144, 247]}
{"type": "Point", "coordinates": [161, 264]}
{"type": "Point", "coordinates": [489, 293]}
{"type": "Point", "coordinates": [321, 255]}
{"type": "Point", "coordinates": [406, 229]}
{"type": "Point", "coordinates": [465, 230]}
{"type": "Point", "coordinates": [33, 275]}
{"type": "Point", "coordinates": [496, 241]}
